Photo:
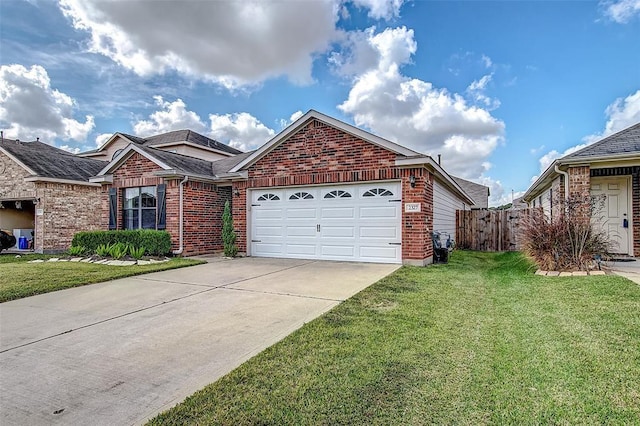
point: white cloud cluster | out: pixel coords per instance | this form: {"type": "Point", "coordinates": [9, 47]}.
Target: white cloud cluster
{"type": "Point", "coordinates": [31, 108]}
{"type": "Point", "coordinates": [413, 112]}
{"type": "Point", "coordinates": [620, 114]}
{"type": "Point", "coordinates": [171, 116]}
{"type": "Point", "coordinates": [381, 9]}
{"type": "Point", "coordinates": [233, 43]}
{"type": "Point", "coordinates": [621, 11]}
{"type": "Point", "coordinates": [240, 130]}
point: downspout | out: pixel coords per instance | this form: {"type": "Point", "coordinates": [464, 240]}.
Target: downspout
{"type": "Point", "coordinates": [181, 218]}
{"type": "Point", "coordinates": [566, 181]}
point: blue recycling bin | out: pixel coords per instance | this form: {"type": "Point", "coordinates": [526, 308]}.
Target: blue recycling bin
{"type": "Point", "coordinates": [23, 243]}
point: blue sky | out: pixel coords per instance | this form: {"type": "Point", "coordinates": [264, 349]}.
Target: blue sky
{"type": "Point", "coordinates": [499, 89]}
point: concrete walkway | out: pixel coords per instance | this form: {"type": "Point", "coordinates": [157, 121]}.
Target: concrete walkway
{"type": "Point", "coordinates": [122, 351]}
{"type": "Point", "coordinates": [630, 270]}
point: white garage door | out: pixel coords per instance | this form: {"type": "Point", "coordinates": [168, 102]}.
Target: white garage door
{"type": "Point", "coordinates": [347, 222]}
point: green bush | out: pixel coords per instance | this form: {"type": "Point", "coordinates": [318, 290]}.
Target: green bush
{"type": "Point", "coordinates": [228, 233]}
{"type": "Point", "coordinates": [77, 250]}
{"type": "Point", "coordinates": [118, 250]}
{"type": "Point", "coordinates": [156, 243]}
{"type": "Point", "coordinates": [104, 250]}
{"type": "Point", "coordinates": [136, 253]}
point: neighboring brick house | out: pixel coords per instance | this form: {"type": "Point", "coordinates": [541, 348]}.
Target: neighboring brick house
{"type": "Point", "coordinates": [320, 189]}
{"type": "Point", "coordinates": [46, 191]}
{"type": "Point", "coordinates": [609, 168]}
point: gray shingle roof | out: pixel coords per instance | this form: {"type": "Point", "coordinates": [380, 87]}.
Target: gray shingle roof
{"type": "Point", "coordinates": [50, 162]}
{"type": "Point", "coordinates": [195, 166]}
{"type": "Point", "coordinates": [626, 141]}
{"type": "Point", "coordinates": [183, 136]}
{"type": "Point", "coordinates": [479, 193]}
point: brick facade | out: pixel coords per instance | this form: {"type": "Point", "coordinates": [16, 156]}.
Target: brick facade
{"type": "Point", "coordinates": [321, 154]}
{"type": "Point", "coordinates": [580, 189]}
{"type": "Point", "coordinates": [66, 208]}
{"type": "Point", "coordinates": [202, 209]}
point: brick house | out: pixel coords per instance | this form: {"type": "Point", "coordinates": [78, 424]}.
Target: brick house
{"type": "Point", "coordinates": [320, 189]}
{"type": "Point", "coordinates": [45, 193]}
{"type": "Point", "coordinates": [609, 169]}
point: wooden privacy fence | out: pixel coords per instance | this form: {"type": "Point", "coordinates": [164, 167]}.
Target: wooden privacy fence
{"type": "Point", "coordinates": [490, 230]}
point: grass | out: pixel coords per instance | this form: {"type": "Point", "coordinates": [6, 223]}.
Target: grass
{"type": "Point", "coordinates": [481, 340]}
{"type": "Point", "coordinates": [19, 279]}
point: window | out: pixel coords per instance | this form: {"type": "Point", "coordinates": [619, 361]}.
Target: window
{"type": "Point", "coordinates": [301, 196]}
{"type": "Point", "coordinates": [338, 193]}
{"type": "Point", "coordinates": [268, 197]}
{"type": "Point", "coordinates": [139, 208]}
{"type": "Point", "coordinates": [378, 192]}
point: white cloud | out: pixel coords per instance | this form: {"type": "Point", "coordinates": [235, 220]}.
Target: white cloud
{"type": "Point", "coordinates": [381, 9]}
{"type": "Point", "coordinates": [414, 113]}
{"type": "Point", "coordinates": [284, 123]}
{"type": "Point", "coordinates": [234, 43]}
{"type": "Point", "coordinates": [242, 131]}
{"type": "Point", "coordinates": [71, 149]}
{"type": "Point", "coordinates": [171, 116]}
{"type": "Point", "coordinates": [102, 138]}
{"type": "Point", "coordinates": [621, 11]}
{"type": "Point", "coordinates": [31, 108]}
{"type": "Point", "coordinates": [488, 63]}
{"type": "Point", "coordinates": [477, 92]}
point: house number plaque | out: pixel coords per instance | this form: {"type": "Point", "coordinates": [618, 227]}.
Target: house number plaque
{"type": "Point", "coordinates": [412, 207]}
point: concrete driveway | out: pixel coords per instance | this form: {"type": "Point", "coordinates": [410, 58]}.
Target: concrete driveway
{"type": "Point", "coordinates": [122, 351]}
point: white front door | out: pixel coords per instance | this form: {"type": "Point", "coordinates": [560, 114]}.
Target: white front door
{"type": "Point", "coordinates": [359, 222]}
{"type": "Point", "coordinates": [615, 215]}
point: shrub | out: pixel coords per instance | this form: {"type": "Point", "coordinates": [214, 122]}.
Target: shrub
{"type": "Point", "coordinates": [103, 250]}
{"type": "Point", "coordinates": [118, 250]}
{"type": "Point", "coordinates": [136, 253]}
{"type": "Point", "coordinates": [156, 243]}
{"type": "Point", "coordinates": [77, 250]}
{"type": "Point", "coordinates": [228, 234]}
{"type": "Point", "coordinates": [569, 240]}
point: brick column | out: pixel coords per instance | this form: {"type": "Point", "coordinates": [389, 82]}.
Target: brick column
{"type": "Point", "coordinates": [580, 191]}
{"type": "Point", "coordinates": [417, 247]}
{"type": "Point", "coordinates": [239, 212]}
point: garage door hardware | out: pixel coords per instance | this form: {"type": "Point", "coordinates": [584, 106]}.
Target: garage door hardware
{"type": "Point", "coordinates": [395, 244]}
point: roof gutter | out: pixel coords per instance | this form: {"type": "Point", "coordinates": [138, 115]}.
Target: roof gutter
{"type": "Point", "coordinates": [181, 218]}
{"type": "Point", "coordinates": [566, 180]}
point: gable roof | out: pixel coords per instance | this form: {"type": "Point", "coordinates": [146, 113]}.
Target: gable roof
{"type": "Point", "coordinates": [341, 125]}
{"type": "Point", "coordinates": [46, 161]}
{"type": "Point", "coordinates": [173, 163]}
{"type": "Point", "coordinates": [624, 142]}
{"type": "Point", "coordinates": [479, 193]}
{"type": "Point", "coordinates": [175, 137]}
{"type": "Point", "coordinates": [621, 146]}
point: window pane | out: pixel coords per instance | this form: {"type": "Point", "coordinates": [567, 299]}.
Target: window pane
{"type": "Point", "coordinates": [148, 218]}
{"type": "Point", "coordinates": [131, 198]}
{"type": "Point", "coordinates": [148, 196]}
{"type": "Point", "coordinates": [130, 219]}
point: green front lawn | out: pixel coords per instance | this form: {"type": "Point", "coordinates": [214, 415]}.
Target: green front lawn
{"type": "Point", "coordinates": [18, 278]}
{"type": "Point", "coordinates": [481, 340]}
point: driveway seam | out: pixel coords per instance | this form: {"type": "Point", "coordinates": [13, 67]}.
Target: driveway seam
{"type": "Point", "coordinates": [282, 294]}
{"type": "Point", "coordinates": [148, 307]}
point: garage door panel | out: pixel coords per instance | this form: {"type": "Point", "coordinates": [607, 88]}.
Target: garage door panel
{"type": "Point", "coordinates": [301, 249]}
{"type": "Point", "coordinates": [267, 213]}
{"type": "Point", "coordinates": [390, 232]}
{"type": "Point", "coordinates": [301, 231]}
{"type": "Point", "coordinates": [337, 212]}
{"type": "Point", "coordinates": [338, 231]}
{"type": "Point", "coordinates": [379, 253]}
{"type": "Point", "coordinates": [338, 251]}
{"type": "Point", "coordinates": [268, 249]}
{"type": "Point", "coordinates": [302, 213]}
{"type": "Point", "coordinates": [268, 231]}
{"type": "Point", "coordinates": [378, 212]}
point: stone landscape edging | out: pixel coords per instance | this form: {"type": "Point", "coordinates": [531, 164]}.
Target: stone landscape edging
{"type": "Point", "coordinates": [110, 262]}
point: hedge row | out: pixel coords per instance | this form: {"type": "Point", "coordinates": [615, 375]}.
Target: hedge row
{"type": "Point", "coordinates": [156, 243]}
